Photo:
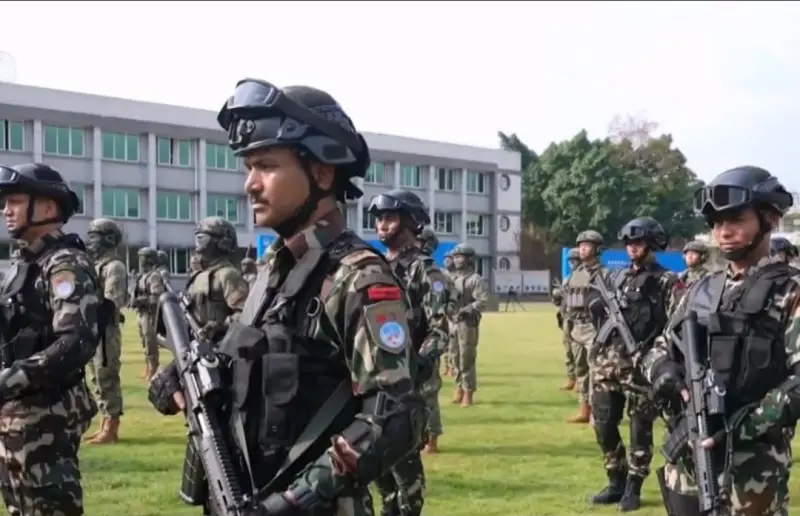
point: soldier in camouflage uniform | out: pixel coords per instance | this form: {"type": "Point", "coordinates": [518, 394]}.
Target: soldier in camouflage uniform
{"type": "Point", "coordinates": [473, 296]}
{"type": "Point", "coordinates": [218, 292]}
{"type": "Point", "coordinates": [644, 290]}
{"type": "Point", "coordinates": [336, 298]}
{"type": "Point", "coordinates": [578, 327]}
{"type": "Point", "coordinates": [163, 264]}
{"type": "Point", "coordinates": [55, 315]}
{"type": "Point", "coordinates": [450, 271]}
{"type": "Point", "coordinates": [103, 241]}
{"type": "Point", "coordinates": [249, 271]}
{"type": "Point", "coordinates": [574, 259]}
{"type": "Point", "coordinates": [695, 255]}
{"type": "Point", "coordinates": [149, 287]}
{"type": "Point", "coordinates": [754, 350]}
{"type": "Point", "coordinates": [400, 217]}
{"type": "Point", "coordinates": [783, 249]}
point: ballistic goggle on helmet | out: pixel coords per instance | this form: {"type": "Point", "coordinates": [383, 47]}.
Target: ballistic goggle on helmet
{"type": "Point", "coordinates": [740, 188]}
{"type": "Point", "coordinates": [260, 115]}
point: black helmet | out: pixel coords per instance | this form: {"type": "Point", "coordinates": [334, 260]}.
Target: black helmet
{"type": "Point", "coordinates": [739, 188]}
{"type": "Point", "coordinates": [404, 202]}
{"type": "Point", "coordinates": [646, 229]}
{"type": "Point", "coordinates": [260, 115]}
{"type": "Point", "coordinates": [38, 180]}
{"type": "Point", "coordinates": [783, 245]}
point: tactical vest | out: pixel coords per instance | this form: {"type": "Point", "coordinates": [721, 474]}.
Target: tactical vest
{"type": "Point", "coordinates": [745, 337]}
{"type": "Point", "coordinates": [282, 374]}
{"type": "Point", "coordinates": [29, 318]}
{"type": "Point", "coordinates": [575, 290]}
{"type": "Point", "coordinates": [205, 304]}
{"type": "Point", "coordinates": [640, 300]}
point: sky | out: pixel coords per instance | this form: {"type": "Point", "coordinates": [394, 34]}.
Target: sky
{"type": "Point", "coordinates": [722, 77]}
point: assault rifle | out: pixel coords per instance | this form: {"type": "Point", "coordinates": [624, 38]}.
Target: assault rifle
{"type": "Point", "coordinates": [614, 320]}
{"type": "Point", "coordinates": [706, 400]}
{"type": "Point", "coordinates": [207, 400]}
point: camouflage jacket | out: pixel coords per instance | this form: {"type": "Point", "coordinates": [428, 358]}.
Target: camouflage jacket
{"type": "Point", "coordinates": [218, 293]}
{"type": "Point", "coordinates": [113, 276]}
{"type": "Point", "coordinates": [473, 296]}
{"type": "Point", "coordinates": [149, 288]}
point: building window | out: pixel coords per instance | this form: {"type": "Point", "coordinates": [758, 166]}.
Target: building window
{"type": "Point", "coordinates": [121, 147]}
{"type": "Point", "coordinates": [121, 203]}
{"type": "Point", "coordinates": [443, 223]}
{"type": "Point", "coordinates": [504, 182]}
{"type": "Point", "coordinates": [223, 206]}
{"type": "Point", "coordinates": [175, 153]}
{"type": "Point", "coordinates": [446, 179]}
{"type": "Point", "coordinates": [12, 136]}
{"type": "Point", "coordinates": [504, 263]}
{"type": "Point", "coordinates": [368, 220]}
{"type": "Point", "coordinates": [220, 157]}
{"type": "Point", "coordinates": [476, 224]}
{"type": "Point", "coordinates": [63, 141]}
{"type": "Point", "coordinates": [410, 176]}
{"type": "Point", "coordinates": [505, 223]}
{"type": "Point", "coordinates": [173, 206]}
{"type": "Point", "coordinates": [179, 260]}
{"type": "Point", "coordinates": [482, 266]}
{"type": "Point", "coordinates": [476, 182]}
{"type": "Point", "coordinates": [376, 174]}
{"type": "Point", "coordinates": [80, 191]}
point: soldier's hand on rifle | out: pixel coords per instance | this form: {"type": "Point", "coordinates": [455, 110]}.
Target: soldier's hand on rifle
{"type": "Point", "coordinates": [164, 392]}
{"type": "Point", "coordinates": [13, 379]}
{"type": "Point", "coordinates": [668, 381]}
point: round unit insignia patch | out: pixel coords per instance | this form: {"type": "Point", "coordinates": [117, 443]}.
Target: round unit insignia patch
{"type": "Point", "coordinates": [63, 289]}
{"type": "Point", "coordinates": [438, 287]}
{"type": "Point", "coordinates": [392, 335]}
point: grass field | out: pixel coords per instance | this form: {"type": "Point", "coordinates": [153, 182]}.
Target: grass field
{"type": "Point", "coordinates": [509, 455]}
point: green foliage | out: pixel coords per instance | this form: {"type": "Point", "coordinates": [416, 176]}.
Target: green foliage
{"type": "Point", "coordinates": [601, 184]}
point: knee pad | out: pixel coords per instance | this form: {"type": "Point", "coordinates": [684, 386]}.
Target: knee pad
{"type": "Point", "coordinates": [641, 432]}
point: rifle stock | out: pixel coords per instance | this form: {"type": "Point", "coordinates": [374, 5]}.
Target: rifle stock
{"type": "Point", "coordinates": [206, 396]}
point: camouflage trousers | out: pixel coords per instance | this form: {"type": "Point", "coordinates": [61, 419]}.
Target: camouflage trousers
{"type": "Point", "coordinates": [615, 384]}
{"type": "Point", "coordinates": [452, 347]}
{"type": "Point", "coordinates": [569, 358]}
{"type": "Point", "coordinates": [430, 393]}
{"type": "Point", "coordinates": [580, 340]}
{"type": "Point", "coordinates": [758, 480]}
{"type": "Point", "coordinates": [465, 356]}
{"type": "Point", "coordinates": [147, 333]}
{"type": "Point", "coordinates": [402, 489]}
{"type": "Point", "coordinates": [104, 372]}
{"type": "Point", "coordinates": [39, 472]}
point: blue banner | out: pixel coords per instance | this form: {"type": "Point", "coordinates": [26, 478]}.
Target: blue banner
{"type": "Point", "coordinates": [618, 258]}
{"type": "Point", "coordinates": [264, 240]}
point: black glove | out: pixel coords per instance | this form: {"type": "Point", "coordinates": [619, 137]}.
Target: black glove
{"type": "Point", "coordinates": [296, 501]}
{"type": "Point", "coordinates": [163, 386]}
{"type": "Point", "coordinates": [667, 380]}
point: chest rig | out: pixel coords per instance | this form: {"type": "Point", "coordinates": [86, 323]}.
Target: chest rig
{"type": "Point", "coordinates": [27, 314]}
{"type": "Point", "coordinates": [206, 301]}
{"type": "Point", "coordinates": [745, 338]}
{"type": "Point", "coordinates": [283, 374]}
{"type": "Point", "coordinates": [576, 289]}
{"type": "Point", "coordinates": [640, 300]}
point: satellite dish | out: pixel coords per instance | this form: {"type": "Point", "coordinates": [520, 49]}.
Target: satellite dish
{"type": "Point", "coordinates": [8, 67]}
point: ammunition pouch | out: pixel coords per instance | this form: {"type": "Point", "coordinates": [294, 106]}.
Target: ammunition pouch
{"type": "Point", "coordinates": [194, 486]}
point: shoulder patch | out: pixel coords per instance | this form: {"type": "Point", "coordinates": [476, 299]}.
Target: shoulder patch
{"type": "Point", "coordinates": [63, 284]}
{"type": "Point", "coordinates": [386, 325]}
{"type": "Point", "coordinates": [437, 286]}
{"type": "Point", "coordinates": [359, 257]}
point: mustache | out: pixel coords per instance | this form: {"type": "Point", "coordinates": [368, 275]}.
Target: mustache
{"type": "Point", "coordinates": [255, 199]}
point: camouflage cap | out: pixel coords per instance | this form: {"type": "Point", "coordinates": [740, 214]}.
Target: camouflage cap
{"type": "Point", "coordinates": [463, 250]}
{"type": "Point", "coordinates": [591, 236]}
{"type": "Point", "coordinates": [430, 242]}
{"type": "Point", "coordinates": [163, 257]}
{"type": "Point", "coordinates": [696, 246]}
{"type": "Point", "coordinates": [221, 230]}
{"type": "Point", "coordinates": [108, 229]}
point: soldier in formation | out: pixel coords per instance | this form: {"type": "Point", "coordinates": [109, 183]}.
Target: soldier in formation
{"type": "Point", "coordinates": [695, 256]}
{"type": "Point", "coordinates": [102, 243]}
{"type": "Point", "coordinates": [578, 328]}
{"type": "Point", "coordinates": [149, 287]}
{"type": "Point", "coordinates": [400, 217]}
{"type": "Point", "coordinates": [335, 313]}
{"type": "Point", "coordinates": [163, 264]}
{"type": "Point", "coordinates": [249, 271]}
{"type": "Point", "coordinates": [754, 305]}
{"type": "Point", "coordinates": [217, 293]}
{"type": "Point", "coordinates": [783, 249]}
{"type": "Point", "coordinates": [54, 314]}
{"type": "Point", "coordinates": [643, 291]}
{"type": "Point", "coordinates": [573, 259]}
{"type": "Point", "coordinates": [450, 271]}
{"type": "Point", "coordinates": [472, 298]}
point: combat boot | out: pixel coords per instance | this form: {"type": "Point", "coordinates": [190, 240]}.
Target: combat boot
{"type": "Point", "coordinates": [109, 434]}
{"type": "Point", "coordinates": [458, 395]}
{"type": "Point", "coordinates": [568, 386]}
{"type": "Point", "coordinates": [632, 498]}
{"type": "Point", "coordinates": [468, 399]}
{"type": "Point", "coordinates": [583, 414]}
{"type": "Point", "coordinates": [99, 431]}
{"type": "Point", "coordinates": [432, 446]}
{"type": "Point", "coordinates": [615, 489]}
